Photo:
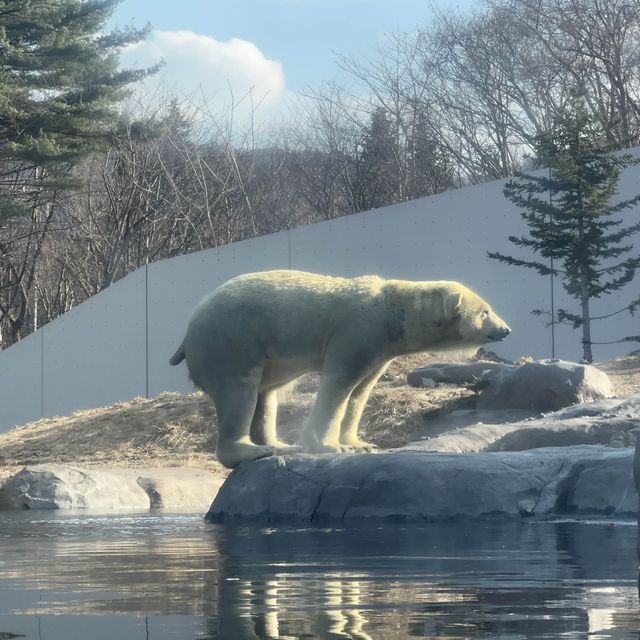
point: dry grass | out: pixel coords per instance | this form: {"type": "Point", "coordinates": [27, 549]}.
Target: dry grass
{"type": "Point", "coordinates": [624, 373]}
{"type": "Point", "coordinates": [176, 430]}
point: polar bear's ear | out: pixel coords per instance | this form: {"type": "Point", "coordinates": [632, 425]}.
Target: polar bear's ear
{"type": "Point", "coordinates": [452, 304]}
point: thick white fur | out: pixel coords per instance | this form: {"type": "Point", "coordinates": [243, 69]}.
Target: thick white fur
{"type": "Point", "coordinates": [258, 332]}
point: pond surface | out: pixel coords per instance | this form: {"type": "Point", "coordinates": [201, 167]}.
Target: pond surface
{"type": "Point", "coordinates": [158, 576]}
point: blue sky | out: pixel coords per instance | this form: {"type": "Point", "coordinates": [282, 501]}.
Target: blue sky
{"type": "Point", "coordinates": [277, 46]}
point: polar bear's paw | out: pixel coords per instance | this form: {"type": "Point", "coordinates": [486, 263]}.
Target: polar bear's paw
{"type": "Point", "coordinates": [340, 448]}
{"type": "Point", "coordinates": [332, 448]}
{"type": "Point", "coordinates": [360, 446]}
{"type": "Point", "coordinates": [231, 454]}
{"type": "Point", "coordinates": [321, 447]}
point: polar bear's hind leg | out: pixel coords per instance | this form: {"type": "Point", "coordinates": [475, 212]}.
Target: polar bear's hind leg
{"type": "Point", "coordinates": [263, 425]}
{"type": "Point", "coordinates": [235, 405]}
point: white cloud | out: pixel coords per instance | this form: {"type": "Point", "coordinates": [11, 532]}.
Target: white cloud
{"type": "Point", "coordinates": [197, 65]}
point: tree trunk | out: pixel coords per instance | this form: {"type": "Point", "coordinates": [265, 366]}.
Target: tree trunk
{"type": "Point", "coordinates": [587, 355]}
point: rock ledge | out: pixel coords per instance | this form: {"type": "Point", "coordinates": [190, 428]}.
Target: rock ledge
{"type": "Point", "coordinates": [413, 486]}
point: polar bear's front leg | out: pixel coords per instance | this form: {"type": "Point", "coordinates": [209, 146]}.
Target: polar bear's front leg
{"type": "Point", "coordinates": [353, 414]}
{"type": "Point", "coordinates": [235, 405]}
{"type": "Point", "coordinates": [321, 433]}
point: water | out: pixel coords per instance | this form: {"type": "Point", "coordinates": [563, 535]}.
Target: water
{"type": "Point", "coordinates": [158, 576]}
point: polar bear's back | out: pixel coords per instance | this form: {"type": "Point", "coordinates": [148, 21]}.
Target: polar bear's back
{"type": "Point", "coordinates": [282, 282]}
{"type": "Point", "coordinates": [290, 291]}
{"type": "Point", "coordinates": [287, 314]}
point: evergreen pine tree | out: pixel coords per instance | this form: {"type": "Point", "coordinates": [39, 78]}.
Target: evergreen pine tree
{"type": "Point", "coordinates": [572, 222]}
{"type": "Point", "coordinates": [59, 82]}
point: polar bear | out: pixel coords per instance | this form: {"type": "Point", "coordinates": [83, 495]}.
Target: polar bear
{"type": "Point", "coordinates": [258, 332]}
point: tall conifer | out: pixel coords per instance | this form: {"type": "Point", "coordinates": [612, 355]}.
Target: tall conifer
{"type": "Point", "coordinates": [59, 82]}
{"type": "Point", "coordinates": [572, 223]}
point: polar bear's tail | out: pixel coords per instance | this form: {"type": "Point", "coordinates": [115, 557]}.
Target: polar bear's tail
{"type": "Point", "coordinates": [178, 356]}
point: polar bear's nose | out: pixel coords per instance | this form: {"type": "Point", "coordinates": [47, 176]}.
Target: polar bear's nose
{"type": "Point", "coordinates": [500, 333]}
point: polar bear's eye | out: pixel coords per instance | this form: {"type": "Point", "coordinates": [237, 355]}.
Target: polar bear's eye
{"type": "Point", "coordinates": [484, 315]}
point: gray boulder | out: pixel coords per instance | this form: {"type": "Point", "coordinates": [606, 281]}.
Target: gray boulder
{"type": "Point", "coordinates": [415, 486]}
{"type": "Point", "coordinates": [66, 487]}
{"type": "Point", "coordinates": [544, 385]}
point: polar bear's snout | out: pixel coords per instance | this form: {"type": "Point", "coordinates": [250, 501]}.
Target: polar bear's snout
{"type": "Point", "coordinates": [499, 333]}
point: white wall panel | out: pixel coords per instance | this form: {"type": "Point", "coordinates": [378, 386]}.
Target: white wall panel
{"type": "Point", "coordinates": [20, 382]}
{"type": "Point", "coordinates": [178, 284]}
{"type": "Point", "coordinates": [95, 354]}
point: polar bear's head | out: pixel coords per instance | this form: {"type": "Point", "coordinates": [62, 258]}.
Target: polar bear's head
{"type": "Point", "coordinates": [475, 320]}
{"type": "Point", "coordinates": [439, 315]}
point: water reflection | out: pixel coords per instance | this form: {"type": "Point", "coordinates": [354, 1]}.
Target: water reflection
{"type": "Point", "coordinates": [155, 577]}
{"type": "Point", "coordinates": [479, 581]}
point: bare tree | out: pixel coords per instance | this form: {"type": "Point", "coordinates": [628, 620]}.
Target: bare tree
{"type": "Point", "coordinates": [499, 77]}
